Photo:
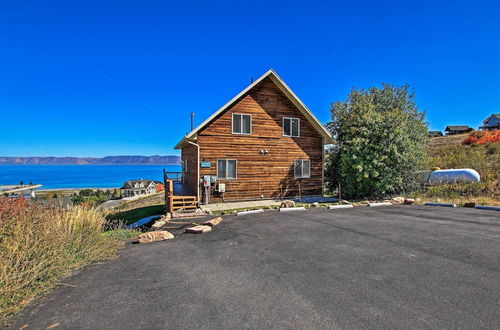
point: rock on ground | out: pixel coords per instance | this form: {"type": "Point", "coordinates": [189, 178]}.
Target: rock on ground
{"type": "Point", "coordinates": [285, 204]}
{"type": "Point", "coordinates": [201, 229]}
{"type": "Point", "coordinates": [155, 236]}
{"type": "Point", "coordinates": [398, 200]}
{"type": "Point", "coordinates": [409, 201]}
{"type": "Point", "coordinates": [213, 222]}
{"type": "Point", "coordinates": [158, 224]}
{"type": "Point", "coordinates": [162, 221]}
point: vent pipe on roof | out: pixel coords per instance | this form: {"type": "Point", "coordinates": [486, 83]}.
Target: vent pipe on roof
{"type": "Point", "coordinates": [192, 121]}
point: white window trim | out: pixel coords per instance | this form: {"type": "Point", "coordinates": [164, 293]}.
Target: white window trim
{"type": "Point", "coordinates": [236, 169]}
{"type": "Point", "coordinates": [291, 130]}
{"type": "Point", "coordinates": [302, 176]}
{"type": "Point", "coordinates": [241, 124]}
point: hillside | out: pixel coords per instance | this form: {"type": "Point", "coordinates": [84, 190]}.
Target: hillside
{"type": "Point", "coordinates": [448, 152]}
{"type": "Point", "coordinates": [108, 160]}
{"type": "Point", "coordinates": [437, 144]}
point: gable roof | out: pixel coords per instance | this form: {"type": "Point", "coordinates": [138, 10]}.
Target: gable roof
{"type": "Point", "coordinates": [496, 115]}
{"type": "Point", "coordinates": [284, 89]}
{"type": "Point", "coordinates": [457, 128]}
{"type": "Point", "coordinates": [131, 183]}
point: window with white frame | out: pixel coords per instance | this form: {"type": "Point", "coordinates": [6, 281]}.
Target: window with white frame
{"type": "Point", "coordinates": [241, 124]}
{"type": "Point", "coordinates": [291, 127]}
{"type": "Point", "coordinates": [302, 168]}
{"type": "Point", "coordinates": [226, 168]}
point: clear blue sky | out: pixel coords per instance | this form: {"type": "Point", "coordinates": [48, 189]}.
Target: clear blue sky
{"type": "Point", "coordinates": [96, 78]}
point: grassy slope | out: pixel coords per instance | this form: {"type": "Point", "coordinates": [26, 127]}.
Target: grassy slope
{"type": "Point", "coordinates": [139, 208]}
{"type": "Point", "coordinates": [132, 215]}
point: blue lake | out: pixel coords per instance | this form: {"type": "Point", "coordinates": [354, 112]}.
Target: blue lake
{"type": "Point", "coordinates": [81, 176]}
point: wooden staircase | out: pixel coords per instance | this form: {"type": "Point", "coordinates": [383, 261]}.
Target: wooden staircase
{"type": "Point", "coordinates": [183, 203]}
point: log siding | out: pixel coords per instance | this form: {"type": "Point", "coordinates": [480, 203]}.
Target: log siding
{"type": "Point", "coordinates": [265, 158]}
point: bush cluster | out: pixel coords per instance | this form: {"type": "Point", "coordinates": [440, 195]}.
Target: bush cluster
{"type": "Point", "coordinates": [380, 142]}
{"type": "Point", "coordinates": [92, 197]}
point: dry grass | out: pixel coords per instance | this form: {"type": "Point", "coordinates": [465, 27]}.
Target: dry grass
{"type": "Point", "coordinates": [41, 244]}
{"type": "Point", "coordinates": [439, 143]}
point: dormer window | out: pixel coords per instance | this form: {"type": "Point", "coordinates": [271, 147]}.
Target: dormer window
{"type": "Point", "coordinates": [291, 127]}
{"type": "Point", "coordinates": [241, 124]}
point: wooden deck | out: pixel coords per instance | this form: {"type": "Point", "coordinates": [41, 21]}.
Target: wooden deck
{"type": "Point", "coordinates": [181, 189]}
{"type": "Point", "coordinates": [178, 197]}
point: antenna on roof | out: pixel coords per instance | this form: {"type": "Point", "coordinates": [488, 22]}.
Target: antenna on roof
{"type": "Point", "coordinates": [192, 121]}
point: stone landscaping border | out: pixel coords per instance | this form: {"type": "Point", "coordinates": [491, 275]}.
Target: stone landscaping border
{"type": "Point", "coordinates": [440, 204]}
{"type": "Point", "coordinates": [249, 212]}
{"type": "Point", "coordinates": [379, 204]}
{"type": "Point", "coordinates": [288, 209]}
{"type": "Point", "coordinates": [345, 206]}
{"type": "Point", "coordinates": [487, 207]}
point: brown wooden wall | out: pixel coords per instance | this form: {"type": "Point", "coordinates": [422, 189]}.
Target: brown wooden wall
{"type": "Point", "coordinates": [271, 174]}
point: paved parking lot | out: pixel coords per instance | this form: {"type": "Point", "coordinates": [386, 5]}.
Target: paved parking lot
{"type": "Point", "coordinates": [392, 267]}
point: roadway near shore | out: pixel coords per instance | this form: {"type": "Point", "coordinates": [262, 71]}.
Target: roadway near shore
{"type": "Point", "coordinates": [394, 267]}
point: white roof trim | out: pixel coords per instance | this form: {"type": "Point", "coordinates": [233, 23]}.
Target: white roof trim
{"type": "Point", "coordinates": [285, 89]}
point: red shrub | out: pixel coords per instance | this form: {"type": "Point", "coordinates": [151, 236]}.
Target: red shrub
{"type": "Point", "coordinates": [480, 137]}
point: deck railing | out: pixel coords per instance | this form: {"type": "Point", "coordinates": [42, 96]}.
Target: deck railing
{"type": "Point", "coordinates": [178, 203]}
{"type": "Point", "coordinates": [174, 176]}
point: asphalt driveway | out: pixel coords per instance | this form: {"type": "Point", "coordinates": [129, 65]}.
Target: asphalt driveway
{"type": "Point", "coordinates": [394, 267]}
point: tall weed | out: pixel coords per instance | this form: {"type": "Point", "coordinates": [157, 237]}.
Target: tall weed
{"type": "Point", "coordinates": [40, 244]}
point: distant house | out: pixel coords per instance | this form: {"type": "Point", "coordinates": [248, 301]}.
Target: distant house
{"type": "Point", "coordinates": [491, 123]}
{"type": "Point", "coordinates": [138, 188]}
{"type": "Point", "coordinates": [450, 130]}
{"type": "Point", "coordinates": [435, 133]}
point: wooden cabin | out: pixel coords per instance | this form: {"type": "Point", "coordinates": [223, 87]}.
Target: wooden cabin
{"type": "Point", "coordinates": [263, 143]}
{"type": "Point", "coordinates": [452, 130]}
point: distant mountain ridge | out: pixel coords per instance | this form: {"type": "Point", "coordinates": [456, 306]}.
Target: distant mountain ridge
{"type": "Point", "coordinates": [108, 160]}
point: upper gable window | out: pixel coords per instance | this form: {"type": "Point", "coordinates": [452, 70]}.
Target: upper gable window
{"type": "Point", "coordinates": [291, 127]}
{"type": "Point", "coordinates": [242, 124]}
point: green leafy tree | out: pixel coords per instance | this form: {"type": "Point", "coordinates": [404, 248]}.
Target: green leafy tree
{"type": "Point", "coordinates": [86, 192]}
{"type": "Point", "coordinates": [77, 199]}
{"type": "Point", "coordinates": [380, 142]}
